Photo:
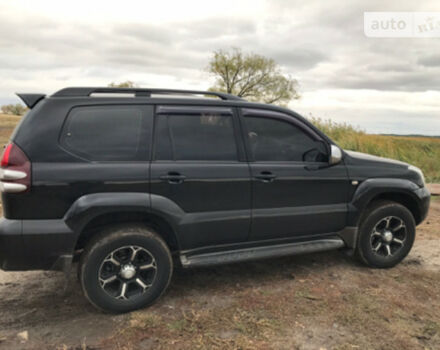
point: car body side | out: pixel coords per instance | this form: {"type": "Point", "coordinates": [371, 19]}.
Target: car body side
{"type": "Point", "coordinates": [71, 198]}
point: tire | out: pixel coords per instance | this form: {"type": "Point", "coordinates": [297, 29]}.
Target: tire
{"type": "Point", "coordinates": [134, 256]}
{"type": "Point", "coordinates": [385, 224]}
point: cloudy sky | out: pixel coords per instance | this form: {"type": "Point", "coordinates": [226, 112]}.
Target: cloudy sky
{"type": "Point", "coordinates": [387, 85]}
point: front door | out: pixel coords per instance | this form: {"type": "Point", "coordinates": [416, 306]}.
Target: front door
{"type": "Point", "coordinates": [295, 193]}
{"type": "Point", "coordinates": [199, 167]}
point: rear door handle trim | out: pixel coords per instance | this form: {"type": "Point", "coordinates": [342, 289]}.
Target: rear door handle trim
{"type": "Point", "coordinates": [173, 178]}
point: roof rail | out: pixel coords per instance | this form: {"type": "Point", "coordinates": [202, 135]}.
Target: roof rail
{"type": "Point", "coordinates": [138, 92]}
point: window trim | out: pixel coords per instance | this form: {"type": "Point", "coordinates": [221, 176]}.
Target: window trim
{"type": "Point", "coordinates": [173, 110]}
{"type": "Point", "coordinates": [269, 114]}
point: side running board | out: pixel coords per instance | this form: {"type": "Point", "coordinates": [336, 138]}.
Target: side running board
{"type": "Point", "coordinates": [254, 253]}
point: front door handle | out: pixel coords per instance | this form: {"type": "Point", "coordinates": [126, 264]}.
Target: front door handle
{"type": "Point", "coordinates": [173, 178]}
{"type": "Point", "coordinates": [266, 176]}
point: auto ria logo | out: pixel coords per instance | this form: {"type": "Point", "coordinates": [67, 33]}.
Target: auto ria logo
{"type": "Point", "coordinates": [402, 24]}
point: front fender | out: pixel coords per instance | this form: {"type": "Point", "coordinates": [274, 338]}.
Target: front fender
{"type": "Point", "coordinates": [372, 188]}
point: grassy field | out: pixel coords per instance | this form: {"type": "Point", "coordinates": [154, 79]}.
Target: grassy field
{"type": "Point", "coordinates": [7, 124]}
{"type": "Point", "coordinates": [423, 152]}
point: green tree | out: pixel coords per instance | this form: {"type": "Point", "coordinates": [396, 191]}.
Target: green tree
{"type": "Point", "coordinates": [251, 76]}
{"type": "Point", "coordinates": [124, 84]}
{"type": "Point", "coordinates": [15, 109]}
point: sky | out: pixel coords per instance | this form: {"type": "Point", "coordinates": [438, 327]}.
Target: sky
{"type": "Point", "coordinates": [382, 85]}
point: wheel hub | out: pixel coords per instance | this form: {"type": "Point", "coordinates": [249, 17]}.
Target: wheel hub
{"type": "Point", "coordinates": [128, 271]}
{"type": "Point", "coordinates": [387, 236]}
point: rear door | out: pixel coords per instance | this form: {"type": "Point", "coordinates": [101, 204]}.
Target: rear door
{"type": "Point", "coordinates": [295, 192]}
{"type": "Point", "coordinates": [198, 166]}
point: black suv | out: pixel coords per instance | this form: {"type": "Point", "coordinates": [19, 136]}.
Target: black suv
{"type": "Point", "coordinates": [132, 186]}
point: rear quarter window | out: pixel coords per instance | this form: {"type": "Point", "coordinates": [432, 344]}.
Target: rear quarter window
{"type": "Point", "coordinates": [108, 133]}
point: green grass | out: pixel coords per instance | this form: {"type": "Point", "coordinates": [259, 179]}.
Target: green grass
{"type": "Point", "coordinates": [423, 152]}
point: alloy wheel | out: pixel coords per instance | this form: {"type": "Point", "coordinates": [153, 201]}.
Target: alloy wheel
{"type": "Point", "coordinates": [127, 272]}
{"type": "Point", "coordinates": [388, 236]}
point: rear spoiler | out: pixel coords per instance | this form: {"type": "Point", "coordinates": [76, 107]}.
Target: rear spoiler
{"type": "Point", "coordinates": [30, 100]}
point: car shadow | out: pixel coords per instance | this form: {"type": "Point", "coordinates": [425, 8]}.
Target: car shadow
{"type": "Point", "coordinates": [255, 273]}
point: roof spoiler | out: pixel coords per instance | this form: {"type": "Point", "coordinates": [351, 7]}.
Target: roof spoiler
{"type": "Point", "coordinates": [30, 100]}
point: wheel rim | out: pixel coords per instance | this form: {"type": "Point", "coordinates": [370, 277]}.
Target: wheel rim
{"type": "Point", "coordinates": [127, 272]}
{"type": "Point", "coordinates": [388, 236]}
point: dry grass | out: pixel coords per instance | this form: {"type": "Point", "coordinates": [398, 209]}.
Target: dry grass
{"type": "Point", "coordinates": [7, 125]}
{"type": "Point", "coordinates": [423, 152]}
{"type": "Point", "coordinates": [331, 303]}
{"type": "Point", "coordinates": [320, 301]}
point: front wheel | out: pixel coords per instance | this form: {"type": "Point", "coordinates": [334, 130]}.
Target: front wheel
{"type": "Point", "coordinates": [125, 268]}
{"type": "Point", "coordinates": [386, 235]}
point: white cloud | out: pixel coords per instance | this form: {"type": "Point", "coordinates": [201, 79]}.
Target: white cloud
{"type": "Point", "coordinates": [384, 85]}
{"type": "Point", "coordinates": [376, 111]}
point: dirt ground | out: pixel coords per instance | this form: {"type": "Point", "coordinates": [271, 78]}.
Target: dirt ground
{"type": "Point", "coordinates": [318, 301]}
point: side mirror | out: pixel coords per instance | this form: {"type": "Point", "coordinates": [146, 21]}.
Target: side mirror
{"type": "Point", "coordinates": [335, 155]}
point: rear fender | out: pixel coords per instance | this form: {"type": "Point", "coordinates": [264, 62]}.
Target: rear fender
{"type": "Point", "coordinates": [89, 207]}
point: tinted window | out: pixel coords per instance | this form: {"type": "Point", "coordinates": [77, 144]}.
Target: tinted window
{"type": "Point", "coordinates": [277, 140]}
{"type": "Point", "coordinates": [195, 137]}
{"type": "Point", "coordinates": [105, 133]}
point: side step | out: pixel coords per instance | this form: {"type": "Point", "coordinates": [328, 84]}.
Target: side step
{"type": "Point", "coordinates": [254, 253]}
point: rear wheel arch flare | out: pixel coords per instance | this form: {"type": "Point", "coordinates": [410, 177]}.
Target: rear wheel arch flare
{"type": "Point", "coordinates": [108, 219]}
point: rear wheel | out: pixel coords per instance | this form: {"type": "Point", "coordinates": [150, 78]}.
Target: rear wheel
{"type": "Point", "coordinates": [386, 235]}
{"type": "Point", "coordinates": [125, 268]}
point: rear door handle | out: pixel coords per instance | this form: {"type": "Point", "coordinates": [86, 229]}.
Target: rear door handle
{"type": "Point", "coordinates": [266, 176]}
{"type": "Point", "coordinates": [173, 178]}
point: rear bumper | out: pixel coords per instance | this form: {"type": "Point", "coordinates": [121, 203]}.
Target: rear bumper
{"type": "Point", "coordinates": [35, 245]}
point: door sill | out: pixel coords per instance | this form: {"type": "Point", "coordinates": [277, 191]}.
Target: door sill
{"type": "Point", "coordinates": [255, 253]}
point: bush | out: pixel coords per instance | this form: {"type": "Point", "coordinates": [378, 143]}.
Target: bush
{"type": "Point", "coordinates": [17, 109]}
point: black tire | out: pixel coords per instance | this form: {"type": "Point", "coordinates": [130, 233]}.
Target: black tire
{"type": "Point", "coordinates": [133, 247]}
{"type": "Point", "coordinates": [373, 239]}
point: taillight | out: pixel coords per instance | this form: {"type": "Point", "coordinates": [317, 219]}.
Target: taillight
{"type": "Point", "coordinates": [15, 171]}
{"type": "Point", "coordinates": [5, 156]}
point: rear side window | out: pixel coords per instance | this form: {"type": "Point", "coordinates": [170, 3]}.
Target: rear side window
{"type": "Point", "coordinates": [195, 137]}
{"type": "Point", "coordinates": [107, 133]}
